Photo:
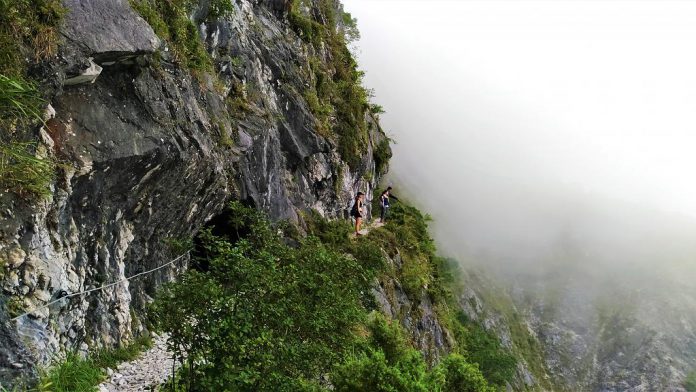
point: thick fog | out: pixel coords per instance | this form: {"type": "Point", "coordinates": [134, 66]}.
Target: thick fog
{"type": "Point", "coordinates": [543, 135]}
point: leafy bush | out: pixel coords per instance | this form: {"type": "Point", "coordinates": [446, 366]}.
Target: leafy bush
{"type": "Point", "coordinates": [263, 316]}
{"type": "Point", "coordinates": [483, 348]}
{"type": "Point", "coordinates": [388, 363]}
{"type": "Point", "coordinates": [415, 274]}
{"type": "Point", "coordinates": [371, 372]}
{"type": "Point", "coordinates": [260, 315]}
{"type": "Point", "coordinates": [382, 154]}
{"type": "Point", "coordinates": [455, 374]}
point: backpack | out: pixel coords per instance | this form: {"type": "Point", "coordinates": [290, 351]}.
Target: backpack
{"type": "Point", "coordinates": [354, 210]}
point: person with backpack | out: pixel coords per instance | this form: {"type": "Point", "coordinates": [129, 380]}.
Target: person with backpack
{"type": "Point", "coordinates": [358, 212]}
{"type": "Point", "coordinates": [384, 203]}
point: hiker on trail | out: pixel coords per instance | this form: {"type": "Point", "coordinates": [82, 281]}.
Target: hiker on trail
{"type": "Point", "coordinates": [384, 203]}
{"type": "Point", "coordinates": [357, 211]}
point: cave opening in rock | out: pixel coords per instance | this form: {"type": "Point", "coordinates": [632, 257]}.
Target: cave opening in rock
{"type": "Point", "coordinates": [222, 225]}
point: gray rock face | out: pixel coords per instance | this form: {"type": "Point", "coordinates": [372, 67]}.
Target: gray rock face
{"type": "Point", "coordinates": [151, 153]}
{"type": "Point", "coordinates": [107, 28]}
{"type": "Point", "coordinates": [594, 342]}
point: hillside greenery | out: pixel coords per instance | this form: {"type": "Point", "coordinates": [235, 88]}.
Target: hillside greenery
{"type": "Point", "coordinates": [28, 33]}
{"type": "Point", "coordinates": [171, 21]}
{"type": "Point", "coordinates": [690, 382]}
{"type": "Point", "coordinates": [336, 95]}
{"type": "Point", "coordinates": [22, 171]}
{"type": "Point", "coordinates": [83, 374]}
{"type": "Point", "coordinates": [265, 309]}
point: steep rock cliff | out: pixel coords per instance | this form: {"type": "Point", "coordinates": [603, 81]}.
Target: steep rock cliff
{"type": "Point", "coordinates": [151, 150]}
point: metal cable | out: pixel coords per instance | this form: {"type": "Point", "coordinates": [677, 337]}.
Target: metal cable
{"type": "Point", "coordinates": [98, 288]}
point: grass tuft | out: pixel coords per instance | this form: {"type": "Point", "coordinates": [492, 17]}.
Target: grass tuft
{"type": "Point", "coordinates": [21, 171]}
{"type": "Point", "coordinates": [28, 30]}
{"type": "Point", "coordinates": [77, 374]}
{"type": "Point", "coordinates": [18, 101]}
{"type": "Point", "coordinates": [74, 375]}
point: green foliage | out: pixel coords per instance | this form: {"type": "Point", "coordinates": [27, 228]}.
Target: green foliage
{"type": "Point", "coordinates": [456, 374]}
{"type": "Point", "coordinates": [170, 21]}
{"type": "Point", "coordinates": [497, 364]}
{"type": "Point", "coordinates": [23, 173]}
{"type": "Point", "coordinates": [305, 27]}
{"type": "Point", "coordinates": [388, 363]}
{"type": "Point", "coordinates": [336, 97]}
{"type": "Point", "coordinates": [372, 372]}
{"type": "Point", "coordinates": [350, 27]}
{"type": "Point", "coordinates": [415, 274]}
{"type": "Point", "coordinates": [219, 9]}
{"type": "Point", "coordinates": [690, 382]}
{"type": "Point", "coordinates": [21, 170]}
{"type": "Point", "coordinates": [382, 154]}
{"type": "Point", "coordinates": [84, 374]}
{"type": "Point", "coordinates": [178, 246]}
{"type": "Point", "coordinates": [263, 316]}
{"type": "Point", "coordinates": [75, 374]}
{"type": "Point", "coordinates": [28, 30]}
{"type": "Point", "coordinates": [110, 358]}
{"type": "Point", "coordinates": [376, 109]}
{"type": "Point", "coordinates": [19, 101]}
{"type": "Point", "coordinates": [260, 315]}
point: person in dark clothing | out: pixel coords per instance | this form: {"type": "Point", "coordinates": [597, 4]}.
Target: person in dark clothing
{"type": "Point", "coordinates": [384, 203]}
{"type": "Point", "coordinates": [357, 211]}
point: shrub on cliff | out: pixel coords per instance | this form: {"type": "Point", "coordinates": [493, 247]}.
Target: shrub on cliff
{"type": "Point", "coordinates": [387, 363]}
{"type": "Point", "coordinates": [263, 316]}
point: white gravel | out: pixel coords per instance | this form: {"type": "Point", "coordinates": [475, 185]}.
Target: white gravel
{"type": "Point", "coordinates": [145, 373]}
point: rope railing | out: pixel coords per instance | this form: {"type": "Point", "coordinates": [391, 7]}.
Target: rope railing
{"type": "Point", "coordinates": [98, 288]}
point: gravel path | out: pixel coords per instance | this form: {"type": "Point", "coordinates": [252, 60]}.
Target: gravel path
{"type": "Point", "coordinates": [145, 373]}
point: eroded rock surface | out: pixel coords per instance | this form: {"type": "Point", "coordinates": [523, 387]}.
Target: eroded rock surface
{"type": "Point", "coordinates": [151, 153]}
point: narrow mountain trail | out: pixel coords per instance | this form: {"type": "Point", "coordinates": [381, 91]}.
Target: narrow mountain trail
{"type": "Point", "coordinates": [146, 373]}
{"type": "Point", "coordinates": [367, 228]}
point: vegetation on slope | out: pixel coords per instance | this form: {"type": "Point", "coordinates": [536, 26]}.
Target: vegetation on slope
{"type": "Point", "coordinates": [336, 95]}
{"type": "Point", "coordinates": [21, 171]}
{"type": "Point", "coordinates": [171, 20]}
{"type": "Point", "coordinates": [690, 382]}
{"type": "Point", "coordinates": [28, 34]}
{"type": "Point", "coordinates": [260, 312]}
{"type": "Point", "coordinates": [77, 374]}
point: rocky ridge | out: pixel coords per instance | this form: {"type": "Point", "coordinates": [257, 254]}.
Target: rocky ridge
{"type": "Point", "coordinates": [152, 152]}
